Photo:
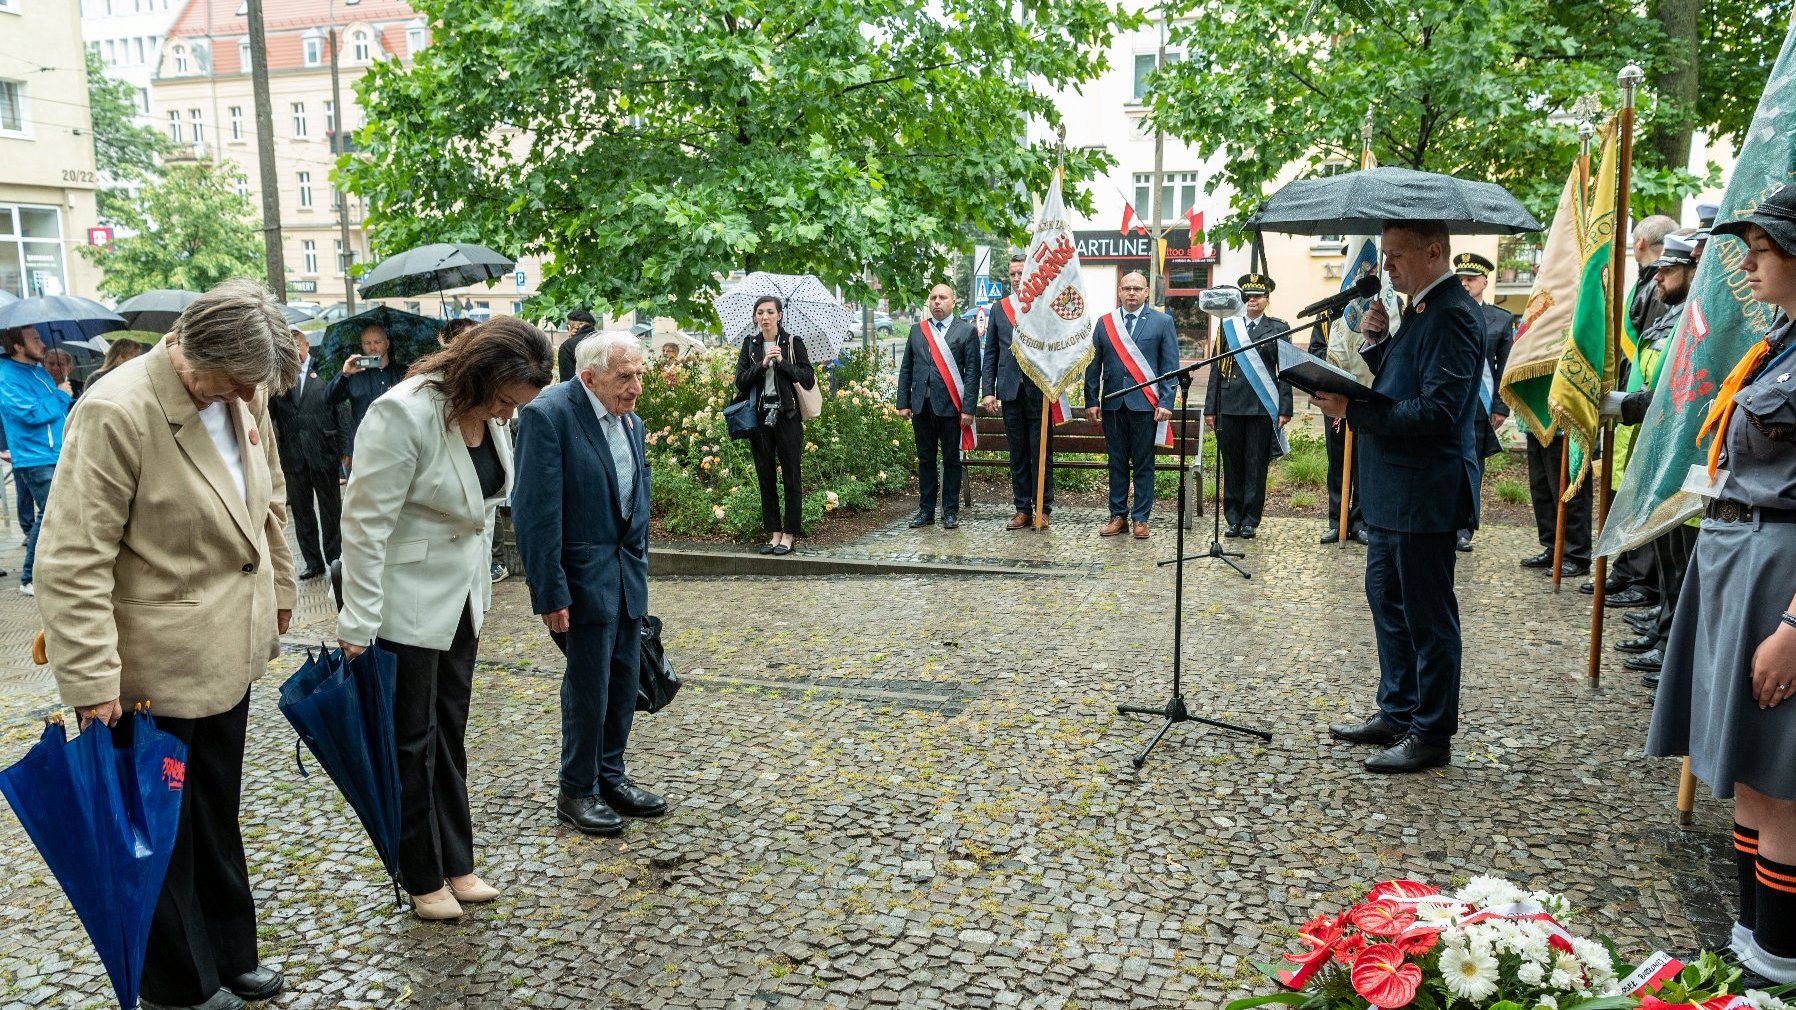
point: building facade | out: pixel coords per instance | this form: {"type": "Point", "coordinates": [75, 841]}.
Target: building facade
{"type": "Point", "coordinates": [127, 37]}
{"type": "Point", "coordinates": [47, 171]}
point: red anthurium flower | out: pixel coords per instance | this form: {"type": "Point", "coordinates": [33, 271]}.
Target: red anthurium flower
{"type": "Point", "coordinates": [1307, 966]}
{"type": "Point", "coordinates": [1320, 931]}
{"type": "Point", "coordinates": [1383, 918]}
{"type": "Point", "coordinates": [1382, 977]}
{"type": "Point", "coordinates": [1349, 947]}
{"type": "Point", "coordinates": [1400, 889]}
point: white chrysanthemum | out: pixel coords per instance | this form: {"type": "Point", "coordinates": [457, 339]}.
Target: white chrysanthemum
{"type": "Point", "coordinates": [1482, 891]}
{"type": "Point", "coordinates": [1436, 913]}
{"type": "Point", "coordinates": [1547, 1003]}
{"type": "Point", "coordinates": [1762, 1000]}
{"type": "Point", "coordinates": [1531, 972]}
{"type": "Point", "coordinates": [1595, 958]}
{"type": "Point", "coordinates": [1469, 974]}
{"type": "Point", "coordinates": [1568, 974]}
{"type": "Point", "coordinates": [1557, 905]}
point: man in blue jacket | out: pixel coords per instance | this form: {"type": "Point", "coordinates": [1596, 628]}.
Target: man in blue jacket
{"type": "Point", "coordinates": [33, 407]}
{"type": "Point", "coordinates": [1131, 345]}
{"type": "Point", "coordinates": [580, 506]}
{"type": "Point", "coordinates": [1418, 469]}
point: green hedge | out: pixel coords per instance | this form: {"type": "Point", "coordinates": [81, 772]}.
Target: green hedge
{"type": "Point", "coordinates": [703, 482]}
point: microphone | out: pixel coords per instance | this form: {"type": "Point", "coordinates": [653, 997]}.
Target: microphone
{"type": "Point", "coordinates": [1224, 302]}
{"type": "Point", "coordinates": [1368, 286]}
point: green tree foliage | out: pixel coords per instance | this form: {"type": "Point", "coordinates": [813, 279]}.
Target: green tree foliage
{"type": "Point", "coordinates": [124, 152]}
{"type": "Point", "coordinates": [648, 148]}
{"type": "Point", "coordinates": [1481, 91]}
{"type": "Point", "coordinates": [191, 229]}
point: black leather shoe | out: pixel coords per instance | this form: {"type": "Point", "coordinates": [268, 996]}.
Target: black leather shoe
{"type": "Point", "coordinates": [769, 548]}
{"type": "Point", "coordinates": [632, 800]}
{"type": "Point", "coordinates": [1646, 662]}
{"type": "Point", "coordinates": [1410, 755]}
{"type": "Point", "coordinates": [1249, 532]}
{"type": "Point", "coordinates": [922, 518]}
{"type": "Point", "coordinates": [1464, 545]}
{"type": "Point", "coordinates": [1572, 569]}
{"type": "Point", "coordinates": [1645, 643]}
{"type": "Point", "coordinates": [1333, 536]}
{"type": "Point", "coordinates": [1650, 681]}
{"type": "Point", "coordinates": [1542, 560]}
{"type": "Point", "coordinates": [1232, 531]}
{"type": "Point", "coordinates": [1361, 537]}
{"type": "Point", "coordinates": [1633, 596]}
{"type": "Point", "coordinates": [950, 521]}
{"type": "Point", "coordinates": [1373, 731]}
{"type": "Point", "coordinates": [589, 815]}
{"type": "Point", "coordinates": [781, 551]}
{"type": "Point", "coordinates": [223, 999]}
{"type": "Point", "coordinates": [256, 984]}
{"type": "Point", "coordinates": [1644, 621]}
{"type": "Point", "coordinates": [310, 573]}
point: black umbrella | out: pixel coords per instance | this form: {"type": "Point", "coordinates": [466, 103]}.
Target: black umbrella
{"type": "Point", "coordinates": [409, 337]}
{"type": "Point", "coordinates": [157, 310]}
{"type": "Point", "coordinates": [296, 315]}
{"type": "Point", "coordinates": [435, 267]}
{"type": "Point", "coordinates": [61, 317]}
{"type": "Point", "coordinates": [1359, 203]}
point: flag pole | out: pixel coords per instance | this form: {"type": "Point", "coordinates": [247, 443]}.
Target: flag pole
{"type": "Point", "coordinates": [1585, 132]}
{"type": "Point", "coordinates": [1040, 518]}
{"type": "Point", "coordinates": [1629, 79]}
{"type": "Point", "coordinates": [1365, 162]}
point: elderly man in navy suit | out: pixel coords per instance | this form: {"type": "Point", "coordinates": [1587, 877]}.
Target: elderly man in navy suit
{"type": "Point", "coordinates": [1418, 488]}
{"type": "Point", "coordinates": [581, 510]}
{"type": "Point", "coordinates": [1132, 344]}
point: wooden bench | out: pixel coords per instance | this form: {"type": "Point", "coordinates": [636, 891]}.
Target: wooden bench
{"type": "Point", "coordinates": [1079, 436]}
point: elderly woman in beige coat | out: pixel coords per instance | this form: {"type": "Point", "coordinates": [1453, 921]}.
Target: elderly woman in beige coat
{"type": "Point", "coordinates": [163, 577]}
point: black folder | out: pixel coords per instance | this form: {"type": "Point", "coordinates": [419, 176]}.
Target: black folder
{"type": "Point", "coordinates": [1314, 375]}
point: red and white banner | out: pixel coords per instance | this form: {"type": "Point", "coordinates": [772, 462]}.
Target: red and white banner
{"type": "Point", "coordinates": [1052, 342]}
{"type": "Point", "coordinates": [1059, 410]}
{"type": "Point", "coordinates": [1136, 364]}
{"type": "Point", "coordinates": [950, 372]}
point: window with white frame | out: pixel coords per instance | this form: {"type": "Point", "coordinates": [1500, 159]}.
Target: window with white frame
{"type": "Point", "coordinates": [308, 250]}
{"type": "Point", "coordinates": [299, 119]}
{"type": "Point", "coordinates": [305, 191]}
{"type": "Point", "coordinates": [111, 53]}
{"type": "Point", "coordinates": [330, 116]}
{"type": "Point", "coordinates": [32, 257]}
{"type": "Point", "coordinates": [343, 259]}
{"type": "Point", "coordinates": [1147, 63]}
{"type": "Point", "coordinates": [243, 55]}
{"type": "Point", "coordinates": [174, 126]}
{"type": "Point", "coordinates": [243, 186]}
{"type": "Point", "coordinates": [314, 50]}
{"type": "Point", "coordinates": [12, 106]}
{"type": "Point", "coordinates": [236, 114]}
{"type": "Point", "coordinates": [139, 44]}
{"type": "Point", "coordinates": [359, 48]}
{"type": "Point", "coordinates": [143, 100]}
{"type": "Point", "coordinates": [415, 37]}
{"type": "Point", "coordinates": [181, 63]}
{"type": "Point", "coordinates": [1178, 194]}
{"type": "Point", "coordinates": [197, 120]}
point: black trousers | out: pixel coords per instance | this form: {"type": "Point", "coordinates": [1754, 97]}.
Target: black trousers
{"type": "Point", "coordinates": [1245, 443]}
{"type": "Point", "coordinates": [1634, 566]}
{"type": "Point", "coordinates": [1022, 429]}
{"type": "Point", "coordinates": [1415, 615]}
{"type": "Point", "coordinates": [1671, 562]}
{"type": "Point", "coordinates": [781, 446]}
{"type": "Point", "coordinates": [1336, 442]}
{"type": "Point", "coordinates": [430, 723]}
{"type": "Point", "coordinates": [204, 927]}
{"type": "Point", "coordinates": [303, 487]}
{"type": "Point", "coordinates": [598, 702]}
{"type": "Point", "coordinates": [937, 437]}
{"type": "Point", "coordinates": [1543, 485]}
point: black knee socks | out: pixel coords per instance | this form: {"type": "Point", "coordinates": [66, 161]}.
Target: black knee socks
{"type": "Point", "coordinates": [1775, 932]}
{"type": "Point", "coordinates": [1746, 859]}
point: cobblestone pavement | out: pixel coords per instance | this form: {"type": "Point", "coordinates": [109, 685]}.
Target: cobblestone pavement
{"type": "Point", "coordinates": [917, 792]}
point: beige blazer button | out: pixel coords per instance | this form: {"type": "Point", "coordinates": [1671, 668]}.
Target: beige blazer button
{"type": "Point", "coordinates": [455, 536]}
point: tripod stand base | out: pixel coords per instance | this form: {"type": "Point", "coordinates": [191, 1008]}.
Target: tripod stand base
{"type": "Point", "coordinates": [1216, 552]}
{"type": "Point", "coordinates": [1175, 712]}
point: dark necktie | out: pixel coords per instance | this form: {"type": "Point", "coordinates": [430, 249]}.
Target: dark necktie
{"type": "Point", "coordinates": [1129, 323]}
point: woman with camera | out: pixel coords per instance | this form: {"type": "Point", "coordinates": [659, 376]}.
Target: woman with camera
{"type": "Point", "coordinates": [432, 465]}
{"type": "Point", "coordinates": [773, 366]}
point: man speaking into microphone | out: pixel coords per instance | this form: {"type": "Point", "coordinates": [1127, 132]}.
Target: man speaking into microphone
{"type": "Point", "coordinates": [1418, 473]}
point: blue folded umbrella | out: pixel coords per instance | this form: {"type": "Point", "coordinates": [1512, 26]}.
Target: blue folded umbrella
{"type": "Point", "coordinates": [344, 714]}
{"type": "Point", "coordinates": [104, 819]}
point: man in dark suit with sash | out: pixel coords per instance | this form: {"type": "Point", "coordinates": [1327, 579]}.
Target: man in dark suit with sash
{"type": "Point", "coordinates": [1243, 401]}
{"type": "Point", "coordinates": [1131, 345]}
{"type": "Point", "coordinates": [581, 510]}
{"type": "Point", "coordinates": [1419, 469]}
{"type": "Point", "coordinates": [1007, 387]}
{"type": "Point", "coordinates": [937, 381]}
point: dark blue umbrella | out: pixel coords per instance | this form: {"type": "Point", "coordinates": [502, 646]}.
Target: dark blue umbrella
{"type": "Point", "coordinates": [344, 713]}
{"type": "Point", "coordinates": [104, 819]}
{"type": "Point", "coordinates": [61, 317]}
{"type": "Point", "coordinates": [409, 337]}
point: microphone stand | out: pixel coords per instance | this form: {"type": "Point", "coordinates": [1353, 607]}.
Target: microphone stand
{"type": "Point", "coordinates": [1175, 710]}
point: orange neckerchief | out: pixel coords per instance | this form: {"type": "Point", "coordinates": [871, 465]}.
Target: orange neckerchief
{"type": "Point", "coordinates": [1723, 408]}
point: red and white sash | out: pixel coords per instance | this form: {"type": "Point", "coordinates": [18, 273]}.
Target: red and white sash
{"type": "Point", "coordinates": [1135, 362]}
{"type": "Point", "coordinates": [950, 372]}
{"type": "Point", "coordinates": [1060, 409]}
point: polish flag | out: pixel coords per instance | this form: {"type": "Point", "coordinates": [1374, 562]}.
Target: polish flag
{"type": "Point", "coordinates": [1130, 221]}
{"type": "Point", "coordinates": [1195, 219]}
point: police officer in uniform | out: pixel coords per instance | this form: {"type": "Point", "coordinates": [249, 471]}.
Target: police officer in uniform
{"type": "Point", "coordinates": [1244, 433]}
{"type": "Point", "coordinates": [1499, 336]}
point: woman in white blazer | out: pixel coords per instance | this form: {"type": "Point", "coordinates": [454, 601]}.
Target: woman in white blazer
{"type": "Point", "coordinates": [432, 464]}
